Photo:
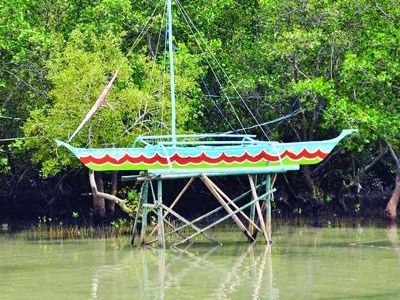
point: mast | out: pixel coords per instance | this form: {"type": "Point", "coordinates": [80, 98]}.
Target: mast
{"type": "Point", "coordinates": [172, 74]}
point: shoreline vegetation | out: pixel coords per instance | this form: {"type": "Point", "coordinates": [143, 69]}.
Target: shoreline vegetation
{"type": "Point", "coordinates": [46, 229]}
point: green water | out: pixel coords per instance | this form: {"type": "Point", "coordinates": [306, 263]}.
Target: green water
{"type": "Point", "coordinates": [304, 263]}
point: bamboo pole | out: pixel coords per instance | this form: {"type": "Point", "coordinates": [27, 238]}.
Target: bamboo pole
{"type": "Point", "coordinates": [174, 229]}
{"type": "Point", "coordinates": [180, 194]}
{"type": "Point", "coordinates": [252, 217]}
{"type": "Point", "coordinates": [258, 209]}
{"type": "Point", "coordinates": [223, 218]}
{"type": "Point", "coordinates": [180, 217]}
{"type": "Point", "coordinates": [251, 222]}
{"type": "Point", "coordinates": [161, 236]}
{"type": "Point", "coordinates": [268, 207]}
{"type": "Point", "coordinates": [144, 214]}
{"type": "Point", "coordinates": [206, 215]}
{"type": "Point", "coordinates": [239, 223]}
{"type": "Point", "coordinates": [197, 229]}
{"type": "Point", "coordinates": [177, 199]}
{"type": "Point", "coordinates": [137, 214]}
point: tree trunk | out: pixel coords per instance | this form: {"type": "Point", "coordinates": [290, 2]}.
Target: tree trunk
{"type": "Point", "coordinates": [310, 186]}
{"type": "Point", "coordinates": [98, 202]}
{"type": "Point", "coordinates": [110, 205]}
{"type": "Point", "coordinates": [391, 207]}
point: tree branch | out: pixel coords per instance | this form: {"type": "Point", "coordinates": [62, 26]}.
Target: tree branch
{"type": "Point", "coordinates": [394, 155]}
{"type": "Point", "coordinates": [120, 202]}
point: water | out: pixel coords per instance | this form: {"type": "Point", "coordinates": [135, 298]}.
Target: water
{"type": "Point", "coordinates": [304, 263]}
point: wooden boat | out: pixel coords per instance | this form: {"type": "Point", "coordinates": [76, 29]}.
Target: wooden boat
{"type": "Point", "coordinates": [229, 154]}
{"type": "Point", "coordinates": [226, 154]}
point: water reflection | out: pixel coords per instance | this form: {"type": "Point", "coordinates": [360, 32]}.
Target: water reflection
{"type": "Point", "coordinates": [191, 273]}
{"type": "Point", "coordinates": [247, 273]}
{"type": "Point", "coordinates": [304, 263]}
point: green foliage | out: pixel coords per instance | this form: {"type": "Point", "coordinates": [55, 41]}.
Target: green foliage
{"type": "Point", "coordinates": [79, 72]}
{"type": "Point", "coordinates": [4, 166]}
{"type": "Point", "coordinates": [121, 224]}
{"type": "Point", "coordinates": [333, 65]}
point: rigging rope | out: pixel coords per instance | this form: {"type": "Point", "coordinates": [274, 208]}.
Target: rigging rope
{"type": "Point", "coordinates": [190, 23]}
{"type": "Point", "coordinates": [191, 27]}
{"type": "Point", "coordinates": [217, 106]}
{"type": "Point", "coordinates": [280, 120]}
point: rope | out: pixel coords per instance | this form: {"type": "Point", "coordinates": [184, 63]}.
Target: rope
{"type": "Point", "coordinates": [190, 23]}
{"type": "Point", "coordinates": [281, 119]}
{"type": "Point", "coordinates": [217, 107]}
{"type": "Point", "coordinates": [191, 27]}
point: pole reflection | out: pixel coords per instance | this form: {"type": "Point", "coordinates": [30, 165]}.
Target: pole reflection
{"type": "Point", "coordinates": [237, 271]}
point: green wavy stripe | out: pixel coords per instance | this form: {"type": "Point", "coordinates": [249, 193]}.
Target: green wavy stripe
{"type": "Point", "coordinates": [138, 167]}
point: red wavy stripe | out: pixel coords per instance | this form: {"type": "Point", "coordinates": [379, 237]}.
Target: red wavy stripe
{"type": "Point", "coordinates": [126, 158]}
{"type": "Point", "coordinates": [202, 158]}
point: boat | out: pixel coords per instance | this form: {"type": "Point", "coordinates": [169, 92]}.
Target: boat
{"type": "Point", "coordinates": [225, 154]}
{"type": "Point", "coordinates": [232, 154]}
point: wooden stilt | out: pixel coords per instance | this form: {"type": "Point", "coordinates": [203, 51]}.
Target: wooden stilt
{"type": "Point", "coordinates": [190, 224]}
{"type": "Point", "coordinates": [137, 215]}
{"type": "Point", "coordinates": [252, 217]}
{"type": "Point", "coordinates": [176, 230]}
{"type": "Point", "coordinates": [268, 207]}
{"type": "Point", "coordinates": [258, 209]}
{"type": "Point", "coordinates": [239, 223]}
{"type": "Point", "coordinates": [177, 199]}
{"type": "Point", "coordinates": [224, 218]}
{"type": "Point", "coordinates": [251, 222]}
{"type": "Point", "coordinates": [161, 236]}
{"type": "Point", "coordinates": [144, 213]}
{"type": "Point", "coordinates": [225, 201]}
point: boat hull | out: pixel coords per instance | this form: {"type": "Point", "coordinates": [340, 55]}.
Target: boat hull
{"type": "Point", "coordinates": [229, 158]}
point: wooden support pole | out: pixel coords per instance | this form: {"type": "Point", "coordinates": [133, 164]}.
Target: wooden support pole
{"type": "Point", "coordinates": [161, 236]}
{"type": "Point", "coordinates": [207, 214]}
{"type": "Point", "coordinates": [239, 223]}
{"type": "Point", "coordinates": [174, 230]}
{"type": "Point", "coordinates": [224, 218]}
{"type": "Point", "coordinates": [180, 194]}
{"type": "Point", "coordinates": [252, 217]}
{"type": "Point", "coordinates": [251, 222]}
{"type": "Point", "coordinates": [137, 214]}
{"type": "Point", "coordinates": [144, 213]}
{"type": "Point", "coordinates": [258, 209]}
{"type": "Point", "coordinates": [177, 199]}
{"type": "Point", "coordinates": [190, 224]}
{"type": "Point", "coordinates": [268, 207]}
